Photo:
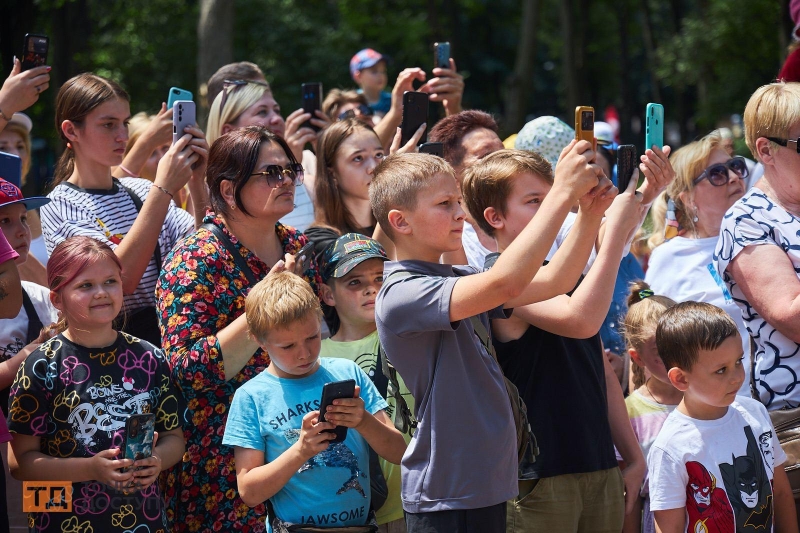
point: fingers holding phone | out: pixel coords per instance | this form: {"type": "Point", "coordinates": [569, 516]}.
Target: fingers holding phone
{"type": "Point", "coordinates": [315, 436]}
{"type": "Point", "coordinates": [411, 146]}
{"type": "Point", "coordinates": [576, 171]}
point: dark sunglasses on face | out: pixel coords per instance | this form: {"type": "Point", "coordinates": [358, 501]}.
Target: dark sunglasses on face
{"type": "Point", "coordinates": [276, 174]}
{"type": "Point", "coordinates": [228, 86]}
{"type": "Point", "coordinates": [718, 174]}
{"type": "Point", "coordinates": [787, 143]}
{"type": "Point", "coordinates": [361, 110]}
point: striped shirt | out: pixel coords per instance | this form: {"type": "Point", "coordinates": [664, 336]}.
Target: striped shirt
{"type": "Point", "coordinates": [108, 215]}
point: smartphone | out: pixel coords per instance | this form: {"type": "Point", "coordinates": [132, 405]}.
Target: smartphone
{"type": "Point", "coordinates": [626, 163]}
{"type": "Point", "coordinates": [175, 94]}
{"type": "Point", "coordinates": [432, 148]}
{"type": "Point", "coordinates": [584, 123]}
{"type": "Point", "coordinates": [183, 115]}
{"type": "Point", "coordinates": [34, 51]}
{"type": "Point", "coordinates": [415, 113]}
{"type": "Point", "coordinates": [441, 55]}
{"type": "Point", "coordinates": [654, 126]}
{"type": "Point", "coordinates": [304, 255]}
{"type": "Point", "coordinates": [312, 101]}
{"type": "Point", "coordinates": [11, 168]}
{"type": "Point", "coordinates": [139, 433]}
{"type": "Point", "coordinates": [332, 391]}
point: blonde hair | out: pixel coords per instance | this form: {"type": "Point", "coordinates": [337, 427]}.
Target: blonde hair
{"type": "Point", "coordinates": [688, 162]}
{"type": "Point", "coordinates": [278, 301]}
{"type": "Point", "coordinates": [641, 321]}
{"type": "Point", "coordinates": [136, 126]}
{"type": "Point", "coordinates": [771, 111]}
{"type": "Point", "coordinates": [25, 135]}
{"type": "Point", "coordinates": [397, 181]}
{"type": "Point", "coordinates": [488, 182]}
{"type": "Point", "coordinates": [240, 97]}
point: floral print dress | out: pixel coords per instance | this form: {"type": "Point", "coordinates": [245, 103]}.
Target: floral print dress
{"type": "Point", "coordinates": [200, 291]}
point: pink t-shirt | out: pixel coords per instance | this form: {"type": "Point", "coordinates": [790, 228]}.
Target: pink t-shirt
{"type": "Point", "coordinates": [6, 253]}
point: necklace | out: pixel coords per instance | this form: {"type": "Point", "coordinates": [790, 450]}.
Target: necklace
{"type": "Point", "coordinates": [652, 396]}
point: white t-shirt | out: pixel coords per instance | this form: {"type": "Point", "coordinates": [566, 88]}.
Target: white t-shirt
{"type": "Point", "coordinates": [684, 270]}
{"type": "Point", "coordinates": [719, 470]}
{"type": "Point", "coordinates": [108, 215]}
{"type": "Point", "coordinates": [39, 249]}
{"type": "Point", "coordinates": [755, 220]}
{"type": "Point", "coordinates": [13, 331]}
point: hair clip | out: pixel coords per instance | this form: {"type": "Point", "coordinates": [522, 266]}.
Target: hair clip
{"type": "Point", "coordinates": [645, 293]}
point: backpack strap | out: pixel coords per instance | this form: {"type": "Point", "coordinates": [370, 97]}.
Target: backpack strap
{"type": "Point", "coordinates": [137, 202]}
{"type": "Point", "coordinates": [34, 322]}
{"type": "Point", "coordinates": [404, 420]}
{"type": "Point", "coordinates": [228, 245]}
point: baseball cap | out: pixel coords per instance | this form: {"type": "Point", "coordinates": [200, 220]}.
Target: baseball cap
{"type": "Point", "coordinates": [604, 134]}
{"type": "Point", "coordinates": [365, 59]}
{"type": "Point", "coordinates": [347, 252]}
{"type": "Point", "coordinates": [10, 194]}
{"type": "Point", "coordinates": [547, 136]}
{"type": "Point", "coordinates": [23, 120]}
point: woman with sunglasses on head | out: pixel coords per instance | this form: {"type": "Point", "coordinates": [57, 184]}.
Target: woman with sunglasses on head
{"type": "Point", "coordinates": [686, 224]}
{"type": "Point", "coordinates": [251, 103]}
{"type": "Point", "coordinates": [252, 177]}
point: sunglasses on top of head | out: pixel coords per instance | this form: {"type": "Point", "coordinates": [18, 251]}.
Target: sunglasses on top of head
{"type": "Point", "coordinates": [276, 174]}
{"type": "Point", "coordinates": [228, 86]}
{"type": "Point", "coordinates": [718, 175]}
{"type": "Point", "coordinates": [361, 110]}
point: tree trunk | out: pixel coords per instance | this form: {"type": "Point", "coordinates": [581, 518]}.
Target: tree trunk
{"type": "Point", "coordinates": [520, 83]}
{"type": "Point", "coordinates": [214, 41]}
{"type": "Point", "coordinates": [570, 60]}
{"type": "Point", "coordinates": [628, 104]}
{"type": "Point", "coordinates": [650, 50]}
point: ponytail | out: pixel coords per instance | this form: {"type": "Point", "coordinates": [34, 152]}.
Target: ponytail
{"type": "Point", "coordinates": [644, 310]}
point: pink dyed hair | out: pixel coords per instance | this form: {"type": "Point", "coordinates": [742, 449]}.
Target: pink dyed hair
{"type": "Point", "coordinates": [71, 256]}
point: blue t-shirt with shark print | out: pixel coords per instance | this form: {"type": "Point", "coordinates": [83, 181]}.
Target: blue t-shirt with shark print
{"type": "Point", "coordinates": [330, 489]}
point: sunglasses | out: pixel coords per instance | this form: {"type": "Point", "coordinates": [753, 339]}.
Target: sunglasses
{"type": "Point", "coordinates": [361, 110]}
{"type": "Point", "coordinates": [276, 174]}
{"type": "Point", "coordinates": [235, 84]}
{"type": "Point", "coordinates": [718, 174]}
{"type": "Point", "coordinates": [786, 142]}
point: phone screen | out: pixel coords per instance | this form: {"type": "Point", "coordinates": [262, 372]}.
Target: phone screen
{"type": "Point", "coordinates": [34, 53]}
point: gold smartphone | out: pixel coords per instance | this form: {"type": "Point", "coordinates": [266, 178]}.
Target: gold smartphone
{"type": "Point", "coordinates": [584, 124]}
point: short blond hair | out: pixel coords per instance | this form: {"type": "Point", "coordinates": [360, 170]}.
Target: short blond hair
{"type": "Point", "coordinates": [240, 97]}
{"type": "Point", "coordinates": [398, 180]}
{"type": "Point", "coordinates": [278, 301]}
{"type": "Point", "coordinates": [136, 126]}
{"type": "Point", "coordinates": [771, 111]}
{"type": "Point", "coordinates": [488, 182]}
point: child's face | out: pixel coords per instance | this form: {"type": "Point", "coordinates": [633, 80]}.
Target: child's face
{"type": "Point", "coordinates": [93, 298]}
{"type": "Point", "coordinates": [717, 375]}
{"type": "Point", "coordinates": [527, 193]}
{"type": "Point", "coordinates": [14, 224]}
{"type": "Point", "coordinates": [354, 295]}
{"type": "Point", "coordinates": [294, 350]}
{"type": "Point", "coordinates": [648, 356]}
{"type": "Point", "coordinates": [355, 163]}
{"type": "Point", "coordinates": [437, 222]}
{"type": "Point", "coordinates": [372, 78]}
{"type": "Point", "coordinates": [103, 134]}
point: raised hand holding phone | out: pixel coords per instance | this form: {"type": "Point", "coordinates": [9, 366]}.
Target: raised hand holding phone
{"type": "Point", "coordinates": [584, 124]}
{"type": "Point", "coordinates": [34, 51]}
{"type": "Point", "coordinates": [654, 126]}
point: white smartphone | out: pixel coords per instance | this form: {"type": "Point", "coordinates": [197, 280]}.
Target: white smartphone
{"type": "Point", "coordinates": [183, 114]}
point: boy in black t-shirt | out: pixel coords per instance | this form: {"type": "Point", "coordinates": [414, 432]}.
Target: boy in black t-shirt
{"type": "Point", "coordinates": [552, 349]}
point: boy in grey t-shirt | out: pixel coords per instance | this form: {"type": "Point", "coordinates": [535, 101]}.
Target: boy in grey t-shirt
{"type": "Point", "coordinates": [461, 465]}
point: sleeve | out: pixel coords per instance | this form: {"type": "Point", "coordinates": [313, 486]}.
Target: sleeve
{"type": "Point", "coordinates": [742, 226]}
{"type": "Point", "coordinates": [668, 480]}
{"type": "Point", "coordinates": [56, 227]}
{"type": "Point", "coordinates": [373, 402]}
{"type": "Point", "coordinates": [242, 428]}
{"type": "Point", "coordinates": [779, 455]}
{"type": "Point", "coordinates": [29, 398]}
{"type": "Point", "coordinates": [170, 403]}
{"type": "Point", "coordinates": [417, 304]}
{"type": "Point", "coordinates": [6, 251]}
{"type": "Point", "coordinates": [178, 223]}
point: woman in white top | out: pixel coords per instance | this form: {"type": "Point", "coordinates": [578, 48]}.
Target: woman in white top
{"type": "Point", "coordinates": [687, 219]}
{"type": "Point", "coordinates": [135, 217]}
{"type": "Point", "coordinates": [251, 103]}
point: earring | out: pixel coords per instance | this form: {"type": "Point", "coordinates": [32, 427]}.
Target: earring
{"type": "Point", "coordinates": [233, 206]}
{"type": "Point", "coordinates": [69, 146]}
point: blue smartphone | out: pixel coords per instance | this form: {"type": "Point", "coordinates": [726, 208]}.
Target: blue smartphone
{"type": "Point", "coordinates": [175, 94]}
{"type": "Point", "coordinates": [11, 168]}
{"type": "Point", "coordinates": [654, 126]}
{"type": "Point", "coordinates": [139, 433]}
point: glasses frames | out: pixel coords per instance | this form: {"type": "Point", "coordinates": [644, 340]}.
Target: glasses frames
{"type": "Point", "coordinates": [235, 84]}
{"type": "Point", "coordinates": [276, 174]}
{"type": "Point", "coordinates": [786, 143]}
{"type": "Point", "coordinates": [718, 175]}
{"type": "Point", "coordinates": [361, 110]}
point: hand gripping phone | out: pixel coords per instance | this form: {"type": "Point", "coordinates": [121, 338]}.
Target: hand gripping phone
{"type": "Point", "coordinates": [584, 123]}
{"type": "Point", "coordinates": [415, 113]}
{"type": "Point", "coordinates": [139, 433]}
{"type": "Point", "coordinates": [332, 391]}
{"type": "Point", "coordinates": [34, 51]}
{"type": "Point", "coordinates": [626, 163]}
{"type": "Point", "coordinates": [304, 255]}
{"type": "Point", "coordinates": [182, 115]}
{"type": "Point", "coordinates": [654, 126]}
{"type": "Point", "coordinates": [175, 94]}
{"type": "Point", "coordinates": [441, 55]}
{"type": "Point", "coordinates": [312, 101]}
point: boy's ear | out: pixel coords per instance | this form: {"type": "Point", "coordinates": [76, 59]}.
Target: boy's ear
{"type": "Point", "coordinates": [357, 77]}
{"type": "Point", "coordinates": [678, 378]}
{"type": "Point", "coordinates": [326, 294]}
{"type": "Point", "coordinates": [494, 218]}
{"type": "Point", "coordinates": [399, 222]}
{"type": "Point", "coordinates": [635, 357]}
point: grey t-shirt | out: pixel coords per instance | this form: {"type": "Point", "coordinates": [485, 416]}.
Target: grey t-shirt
{"type": "Point", "coordinates": [463, 454]}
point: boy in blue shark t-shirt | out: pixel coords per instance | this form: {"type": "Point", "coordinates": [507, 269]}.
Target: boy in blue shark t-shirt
{"type": "Point", "coordinates": [282, 451]}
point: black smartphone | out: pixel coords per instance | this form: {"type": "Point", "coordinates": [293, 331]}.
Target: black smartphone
{"type": "Point", "coordinates": [415, 113]}
{"type": "Point", "coordinates": [34, 51]}
{"type": "Point", "coordinates": [304, 255]}
{"type": "Point", "coordinates": [312, 101]}
{"type": "Point", "coordinates": [139, 433]}
{"type": "Point", "coordinates": [441, 55]}
{"type": "Point", "coordinates": [332, 391]}
{"type": "Point", "coordinates": [626, 163]}
{"type": "Point", "coordinates": [432, 148]}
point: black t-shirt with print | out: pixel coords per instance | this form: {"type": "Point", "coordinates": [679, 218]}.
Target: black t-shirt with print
{"type": "Point", "coordinates": [77, 400]}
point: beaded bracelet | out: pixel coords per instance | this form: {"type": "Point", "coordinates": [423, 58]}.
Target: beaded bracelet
{"type": "Point", "coordinates": [165, 191]}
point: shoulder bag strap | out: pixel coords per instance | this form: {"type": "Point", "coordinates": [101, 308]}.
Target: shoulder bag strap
{"type": "Point", "coordinates": [34, 322]}
{"type": "Point", "coordinates": [483, 335]}
{"type": "Point", "coordinates": [379, 379]}
{"type": "Point", "coordinates": [237, 257]}
{"type": "Point", "coordinates": [137, 202]}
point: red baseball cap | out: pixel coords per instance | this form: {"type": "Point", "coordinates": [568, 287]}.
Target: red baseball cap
{"type": "Point", "coordinates": [10, 194]}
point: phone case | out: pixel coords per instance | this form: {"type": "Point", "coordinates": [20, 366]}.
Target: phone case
{"type": "Point", "coordinates": [441, 55]}
{"type": "Point", "coordinates": [183, 115]}
{"type": "Point", "coordinates": [34, 51]}
{"type": "Point", "coordinates": [626, 162]}
{"type": "Point", "coordinates": [415, 113]}
{"type": "Point", "coordinates": [584, 123]}
{"type": "Point", "coordinates": [139, 433]}
{"type": "Point", "coordinates": [11, 168]}
{"type": "Point", "coordinates": [176, 93]}
{"type": "Point", "coordinates": [332, 391]}
{"type": "Point", "coordinates": [654, 126]}
{"type": "Point", "coordinates": [305, 254]}
{"type": "Point", "coordinates": [312, 101]}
